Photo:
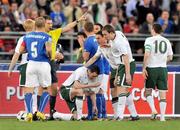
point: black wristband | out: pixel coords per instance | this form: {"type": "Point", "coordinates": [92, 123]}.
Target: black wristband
{"type": "Point", "coordinates": [77, 21]}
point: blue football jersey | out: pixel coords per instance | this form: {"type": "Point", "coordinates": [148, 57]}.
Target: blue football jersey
{"type": "Point", "coordinates": [35, 46]}
{"type": "Point", "coordinates": [106, 66]}
{"type": "Point", "coordinates": [91, 46]}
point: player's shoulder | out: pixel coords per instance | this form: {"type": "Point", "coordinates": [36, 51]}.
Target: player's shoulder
{"type": "Point", "coordinates": [90, 41]}
{"type": "Point", "coordinates": [90, 38]}
{"type": "Point", "coordinates": [81, 70]}
{"type": "Point", "coordinates": [149, 40]}
{"type": "Point", "coordinates": [45, 34]}
{"type": "Point", "coordinates": [30, 33]}
{"type": "Point", "coordinates": [27, 35]}
{"type": "Point", "coordinates": [164, 39]}
{"type": "Point", "coordinates": [21, 38]}
{"type": "Point", "coordinates": [120, 34]}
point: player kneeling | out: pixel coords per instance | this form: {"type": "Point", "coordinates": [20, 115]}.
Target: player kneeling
{"type": "Point", "coordinates": [81, 81]}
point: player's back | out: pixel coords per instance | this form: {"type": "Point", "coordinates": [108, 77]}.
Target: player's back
{"type": "Point", "coordinates": [91, 46]}
{"type": "Point", "coordinates": [125, 46]}
{"type": "Point", "coordinates": [80, 74]}
{"type": "Point", "coordinates": [160, 48]}
{"type": "Point", "coordinates": [35, 45]}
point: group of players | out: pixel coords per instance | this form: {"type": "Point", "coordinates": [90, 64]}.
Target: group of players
{"type": "Point", "coordinates": [101, 48]}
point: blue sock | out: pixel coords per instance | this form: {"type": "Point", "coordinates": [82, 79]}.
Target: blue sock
{"type": "Point", "coordinates": [28, 101]}
{"type": "Point", "coordinates": [89, 104]}
{"type": "Point", "coordinates": [43, 101]}
{"type": "Point", "coordinates": [104, 115]}
{"type": "Point", "coordinates": [99, 104]}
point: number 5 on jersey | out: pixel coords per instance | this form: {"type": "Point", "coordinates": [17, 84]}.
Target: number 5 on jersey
{"type": "Point", "coordinates": [34, 49]}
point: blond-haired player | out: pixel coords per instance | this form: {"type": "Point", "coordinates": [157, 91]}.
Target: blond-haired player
{"type": "Point", "coordinates": [56, 56]}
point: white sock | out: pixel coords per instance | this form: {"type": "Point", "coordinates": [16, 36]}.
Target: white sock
{"type": "Point", "coordinates": [150, 100]}
{"type": "Point", "coordinates": [79, 106]}
{"type": "Point", "coordinates": [114, 105]}
{"type": "Point", "coordinates": [34, 98]}
{"type": "Point", "coordinates": [131, 106]}
{"type": "Point", "coordinates": [62, 116]}
{"type": "Point", "coordinates": [121, 106]}
{"type": "Point", "coordinates": [163, 108]}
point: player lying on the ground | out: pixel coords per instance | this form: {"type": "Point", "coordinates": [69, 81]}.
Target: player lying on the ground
{"type": "Point", "coordinates": [81, 81]}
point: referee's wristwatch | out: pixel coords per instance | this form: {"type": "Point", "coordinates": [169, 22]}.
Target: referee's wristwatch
{"type": "Point", "coordinates": [77, 21]}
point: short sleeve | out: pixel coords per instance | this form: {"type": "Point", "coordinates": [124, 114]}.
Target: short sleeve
{"type": "Point", "coordinates": [79, 72]}
{"type": "Point", "coordinates": [87, 46]}
{"type": "Point", "coordinates": [19, 43]}
{"type": "Point", "coordinates": [124, 47]}
{"type": "Point", "coordinates": [170, 52]}
{"type": "Point", "coordinates": [122, 44]}
{"type": "Point", "coordinates": [50, 40]}
{"type": "Point", "coordinates": [147, 46]}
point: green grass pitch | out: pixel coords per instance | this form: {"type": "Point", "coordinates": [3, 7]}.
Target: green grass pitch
{"type": "Point", "coordinates": [13, 124]}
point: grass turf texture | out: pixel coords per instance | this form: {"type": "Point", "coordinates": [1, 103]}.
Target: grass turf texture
{"type": "Point", "coordinates": [13, 124]}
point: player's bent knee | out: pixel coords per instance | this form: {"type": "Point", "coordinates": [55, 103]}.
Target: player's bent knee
{"type": "Point", "coordinates": [76, 92]}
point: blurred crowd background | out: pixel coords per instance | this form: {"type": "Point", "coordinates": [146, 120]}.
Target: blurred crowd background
{"type": "Point", "coordinates": [128, 16]}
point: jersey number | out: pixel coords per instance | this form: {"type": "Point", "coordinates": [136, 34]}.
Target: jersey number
{"type": "Point", "coordinates": [161, 47]}
{"type": "Point", "coordinates": [34, 49]}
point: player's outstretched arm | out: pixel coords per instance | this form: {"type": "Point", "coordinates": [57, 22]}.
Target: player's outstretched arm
{"type": "Point", "coordinates": [74, 23]}
{"type": "Point", "coordinates": [13, 62]}
{"type": "Point", "coordinates": [94, 85]}
{"type": "Point", "coordinates": [78, 85]}
{"type": "Point", "coordinates": [91, 61]}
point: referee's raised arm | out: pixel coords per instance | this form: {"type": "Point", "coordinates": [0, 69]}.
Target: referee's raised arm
{"type": "Point", "coordinates": [71, 25]}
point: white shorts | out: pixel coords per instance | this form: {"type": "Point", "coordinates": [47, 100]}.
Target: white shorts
{"type": "Point", "coordinates": [38, 74]}
{"type": "Point", "coordinates": [104, 83]}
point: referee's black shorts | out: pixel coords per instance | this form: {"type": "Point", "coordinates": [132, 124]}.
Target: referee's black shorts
{"type": "Point", "coordinates": [54, 68]}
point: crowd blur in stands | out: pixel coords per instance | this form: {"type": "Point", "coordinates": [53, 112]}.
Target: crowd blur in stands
{"type": "Point", "coordinates": [129, 16]}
